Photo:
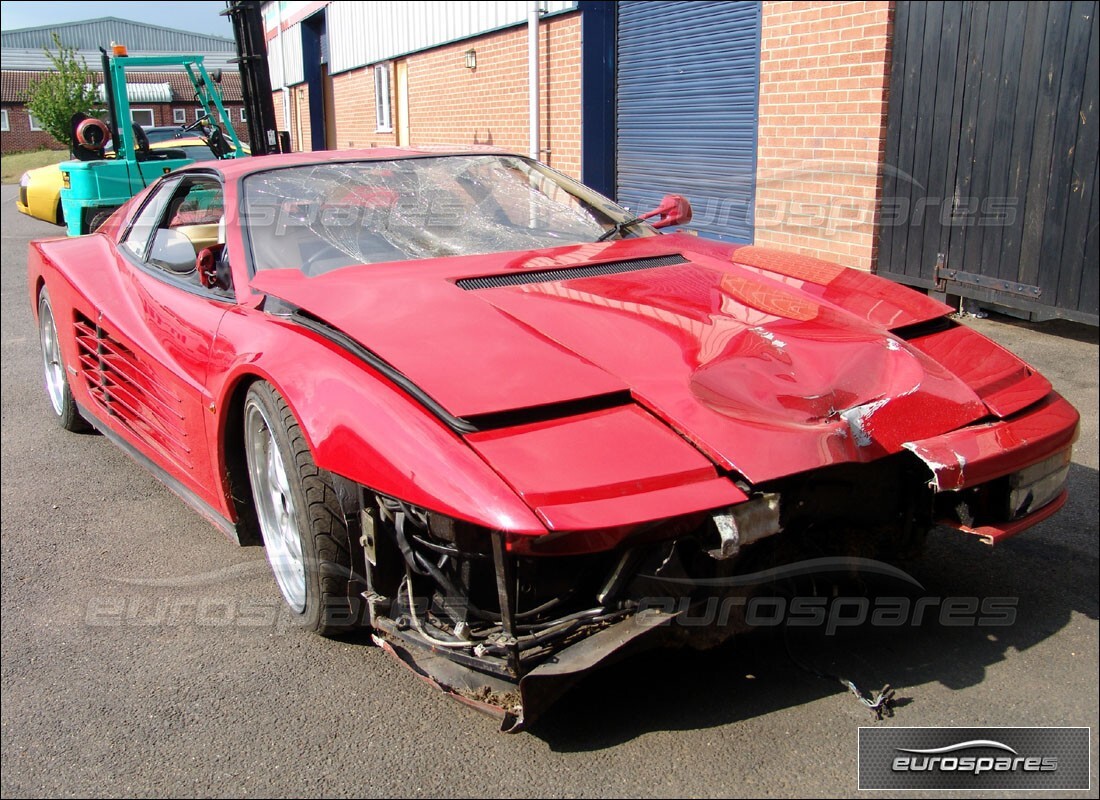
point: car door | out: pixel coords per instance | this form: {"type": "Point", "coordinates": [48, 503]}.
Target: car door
{"type": "Point", "coordinates": [154, 345]}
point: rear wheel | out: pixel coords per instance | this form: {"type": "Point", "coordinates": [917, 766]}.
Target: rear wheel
{"type": "Point", "coordinates": [300, 516]}
{"type": "Point", "coordinates": [57, 380]}
{"type": "Point", "coordinates": [96, 218]}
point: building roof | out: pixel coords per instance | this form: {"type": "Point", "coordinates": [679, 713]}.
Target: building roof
{"type": "Point", "coordinates": [14, 86]}
{"type": "Point", "coordinates": [91, 34]}
{"type": "Point", "coordinates": [24, 48]}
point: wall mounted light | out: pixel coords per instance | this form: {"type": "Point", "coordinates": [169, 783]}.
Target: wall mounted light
{"type": "Point", "coordinates": [471, 59]}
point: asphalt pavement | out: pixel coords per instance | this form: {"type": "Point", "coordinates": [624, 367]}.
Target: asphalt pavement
{"type": "Point", "coordinates": [143, 653]}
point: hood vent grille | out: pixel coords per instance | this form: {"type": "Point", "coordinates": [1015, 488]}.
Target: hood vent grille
{"type": "Point", "coordinates": [569, 273]}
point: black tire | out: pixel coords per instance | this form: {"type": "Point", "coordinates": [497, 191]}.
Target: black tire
{"type": "Point", "coordinates": [97, 218]}
{"type": "Point", "coordinates": [300, 516]}
{"type": "Point", "coordinates": [60, 395]}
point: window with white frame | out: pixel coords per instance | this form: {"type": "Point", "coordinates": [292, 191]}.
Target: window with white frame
{"type": "Point", "coordinates": [384, 123]}
{"type": "Point", "coordinates": [33, 122]}
{"type": "Point", "coordinates": [142, 117]}
{"type": "Point", "coordinates": [199, 114]}
{"type": "Point", "coordinates": [244, 115]}
{"type": "Point", "coordinates": [179, 116]}
{"type": "Point", "coordinates": [4, 120]}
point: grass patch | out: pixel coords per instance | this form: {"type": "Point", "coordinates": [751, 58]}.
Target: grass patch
{"type": "Point", "coordinates": [13, 165]}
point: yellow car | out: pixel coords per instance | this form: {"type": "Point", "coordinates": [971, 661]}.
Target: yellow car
{"type": "Point", "coordinates": [40, 189]}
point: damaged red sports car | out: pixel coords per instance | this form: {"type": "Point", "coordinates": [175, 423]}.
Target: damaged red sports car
{"type": "Point", "coordinates": [483, 411]}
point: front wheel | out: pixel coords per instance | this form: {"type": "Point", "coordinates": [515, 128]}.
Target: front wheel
{"type": "Point", "coordinates": [57, 380]}
{"type": "Point", "coordinates": [304, 530]}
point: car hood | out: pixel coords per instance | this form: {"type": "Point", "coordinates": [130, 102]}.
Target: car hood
{"type": "Point", "coordinates": [768, 365]}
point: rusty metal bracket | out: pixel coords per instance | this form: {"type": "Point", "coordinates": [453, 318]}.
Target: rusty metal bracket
{"type": "Point", "coordinates": [939, 284]}
{"type": "Point", "coordinates": [505, 565]}
{"type": "Point", "coordinates": [941, 276]}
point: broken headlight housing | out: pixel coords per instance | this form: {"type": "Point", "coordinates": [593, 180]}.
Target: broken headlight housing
{"type": "Point", "coordinates": [1033, 487]}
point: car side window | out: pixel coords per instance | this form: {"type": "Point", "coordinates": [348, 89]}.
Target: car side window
{"type": "Point", "coordinates": [198, 202]}
{"type": "Point", "coordinates": [136, 240]}
{"type": "Point", "coordinates": [192, 230]}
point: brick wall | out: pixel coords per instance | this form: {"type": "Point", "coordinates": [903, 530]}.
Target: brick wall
{"type": "Point", "coordinates": [452, 105]}
{"type": "Point", "coordinates": [353, 95]}
{"type": "Point", "coordinates": [824, 78]}
{"type": "Point", "coordinates": [297, 95]}
{"type": "Point", "coordinates": [20, 137]}
{"type": "Point", "coordinates": [280, 116]}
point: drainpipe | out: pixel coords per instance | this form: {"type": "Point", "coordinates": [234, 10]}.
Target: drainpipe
{"type": "Point", "coordinates": [282, 67]}
{"type": "Point", "coordinates": [533, 76]}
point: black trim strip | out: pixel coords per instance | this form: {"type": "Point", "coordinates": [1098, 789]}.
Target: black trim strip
{"type": "Point", "coordinates": [461, 425]}
{"type": "Point", "coordinates": [337, 337]}
{"type": "Point", "coordinates": [568, 273]}
{"type": "Point", "coordinates": [551, 411]}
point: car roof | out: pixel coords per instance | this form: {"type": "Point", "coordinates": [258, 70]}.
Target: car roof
{"type": "Point", "coordinates": [237, 168]}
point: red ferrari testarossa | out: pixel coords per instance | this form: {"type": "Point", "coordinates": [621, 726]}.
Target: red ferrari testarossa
{"type": "Point", "coordinates": [485, 412]}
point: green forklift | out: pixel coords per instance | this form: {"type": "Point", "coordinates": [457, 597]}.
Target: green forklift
{"type": "Point", "coordinates": [97, 182]}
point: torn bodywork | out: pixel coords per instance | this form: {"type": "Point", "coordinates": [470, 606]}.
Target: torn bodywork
{"type": "Point", "coordinates": [979, 486]}
{"type": "Point", "coordinates": [487, 619]}
{"type": "Point", "coordinates": [502, 632]}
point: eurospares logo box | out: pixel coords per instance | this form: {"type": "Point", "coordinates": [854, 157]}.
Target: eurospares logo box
{"type": "Point", "coordinates": [974, 758]}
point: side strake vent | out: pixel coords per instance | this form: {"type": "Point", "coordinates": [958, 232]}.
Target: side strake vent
{"type": "Point", "coordinates": [128, 390]}
{"type": "Point", "coordinates": [569, 273]}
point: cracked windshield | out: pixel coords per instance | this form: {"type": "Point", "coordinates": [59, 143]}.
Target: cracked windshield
{"type": "Point", "coordinates": [322, 217]}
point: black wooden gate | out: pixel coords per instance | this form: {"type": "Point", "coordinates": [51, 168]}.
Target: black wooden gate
{"type": "Point", "coordinates": [990, 180]}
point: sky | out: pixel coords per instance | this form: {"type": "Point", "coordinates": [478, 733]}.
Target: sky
{"type": "Point", "coordinates": [193, 16]}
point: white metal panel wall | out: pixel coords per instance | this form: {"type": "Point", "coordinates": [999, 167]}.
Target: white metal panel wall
{"type": "Point", "coordinates": [275, 63]}
{"type": "Point", "coordinates": [687, 86]}
{"type": "Point", "coordinates": [292, 46]}
{"type": "Point", "coordinates": [363, 33]}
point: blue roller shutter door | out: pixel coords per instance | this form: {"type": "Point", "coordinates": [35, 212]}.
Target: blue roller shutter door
{"type": "Point", "coordinates": [687, 77]}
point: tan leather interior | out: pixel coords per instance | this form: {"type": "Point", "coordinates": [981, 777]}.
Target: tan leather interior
{"type": "Point", "coordinates": [205, 235]}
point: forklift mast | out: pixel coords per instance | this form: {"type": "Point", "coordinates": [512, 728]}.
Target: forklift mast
{"type": "Point", "coordinates": [118, 100]}
{"type": "Point", "coordinates": [95, 184]}
{"type": "Point", "coordinates": [248, 31]}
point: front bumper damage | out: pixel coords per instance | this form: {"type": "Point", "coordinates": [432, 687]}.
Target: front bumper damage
{"type": "Point", "coordinates": [506, 624]}
{"type": "Point", "coordinates": [516, 707]}
{"type": "Point", "coordinates": [475, 615]}
{"type": "Point", "coordinates": [997, 479]}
